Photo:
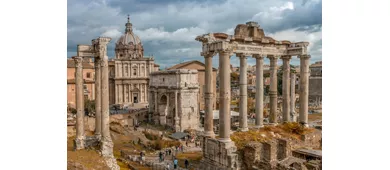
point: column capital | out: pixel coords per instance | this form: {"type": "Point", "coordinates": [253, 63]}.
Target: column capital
{"type": "Point", "coordinates": [271, 57]}
{"type": "Point", "coordinates": [258, 56]}
{"type": "Point", "coordinates": [304, 56]}
{"type": "Point", "coordinates": [245, 55]}
{"type": "Point", "coordinates": [286, 57]}
{"type": "Point", "coordinates": [208, 54]}
{"type": "Point", "coordinates": [78, 61]}
{"type": "Point", "coordinates": [226, 52]}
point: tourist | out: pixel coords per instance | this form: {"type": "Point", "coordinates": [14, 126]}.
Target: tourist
{"type": "Point", "coordinates": [167, 166]}
{"type": "Point", "coordinates": [166, 151]}
{"type": "Point", "coordinates": [186, 163]}
{"type": "Point", "coordinates": [160, 156]}
{"type": "Point", "coordinates": [169, 151]}
{"type": "Point", "coordinates": [187, 143]}
{"type": "Point", "coordinates": [175, 162]}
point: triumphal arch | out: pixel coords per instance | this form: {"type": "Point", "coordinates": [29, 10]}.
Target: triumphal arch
{"type": "Point", "coordinates": [248, 40]}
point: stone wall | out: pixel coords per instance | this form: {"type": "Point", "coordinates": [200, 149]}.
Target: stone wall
{"type": "Point", "coordinates": [219, 155]}
{"type": "Point", "coordinates": [276, 154]}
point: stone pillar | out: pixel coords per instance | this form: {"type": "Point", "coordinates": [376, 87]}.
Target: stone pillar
{"type": "Point", "coordinates": [243, 94]}
{"type": "Point", "coordinates": [155, 102]}
{"type": "Point", "coordinates": [208, 97]}
{"type": "Point", "coordinates": [116, 93]}
{"type": "Point", "coordinates": [224, 96]}
{"type": "Point", "coordinates": [292, 100]}
{"type": "Point", "coordinates": [98, 99]}
{"type": "Point", "coordinates": [286, 88]}
{"type": "Point", "coordinates": [259, 91]}
{"type": "Point", "coordinates": [80, 135]}
{"type": "Point", "coordinates": [177, 125]}
{"type": "Point", "coordinates": [273, 90]}
{"type": "Point", "coordinates": [304, 90]}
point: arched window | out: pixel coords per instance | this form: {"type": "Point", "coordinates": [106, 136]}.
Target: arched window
{"type": "Point", "coordinates": [135, 72]}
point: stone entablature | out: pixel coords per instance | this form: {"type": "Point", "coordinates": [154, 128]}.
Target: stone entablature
{"type": "Point", "coordinates": [250, 44]}
{"type": "Point", "coordinates": [175, 79]}
{"type": "Point", "coordinates": [172, 95]}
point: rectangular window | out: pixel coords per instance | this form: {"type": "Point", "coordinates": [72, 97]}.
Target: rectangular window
{"type": "Point", "coordinates": [88, 75]}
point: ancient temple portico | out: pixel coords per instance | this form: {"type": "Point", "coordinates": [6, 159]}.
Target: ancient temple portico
{"type": "Point", "coordinates": [249, 40]}
{"type": "Point", "coordinates": [98, 50]}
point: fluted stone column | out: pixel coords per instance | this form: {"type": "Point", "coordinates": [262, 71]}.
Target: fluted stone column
{"type": "Point", "coordinates": [259, 91]}
{"type": "Point", "coordinates": [224, 96]}
{"type": "Point", "coordinates": [286, 88]}
{"type": "Point", "coordinates": [243, 94]}
{"type": "Point", "coordinates": [208, 97]}
{"type": "Point", "coordinates": [292, 100]}
{"type": "Point", "coordinates": [177, 125]}
{"type": "Point", "coordinates": [273, 91]}
{"type": "Point", "coordinates": [107, 144]}
{"type": "Point", "coordinates": [80, 135]}
{"type": "Point", "coordinates": [304, 90]}
{"type": "Point", "coordinates": [98, 99]}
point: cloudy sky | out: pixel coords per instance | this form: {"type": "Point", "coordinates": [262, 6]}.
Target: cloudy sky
{"type": "Point", "coordinates": [167, 28]}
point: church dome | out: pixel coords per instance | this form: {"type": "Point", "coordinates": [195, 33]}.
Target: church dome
{"type": "Point", "coordinates": [129, 45]}
{"type": "Point", "coordinates": [129, 37]}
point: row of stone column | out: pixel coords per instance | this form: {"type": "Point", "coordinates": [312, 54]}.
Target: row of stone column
{"type": "Point", "coordinates": [102, 130]}
{"type": "Point", "coordinates": [224, 75]}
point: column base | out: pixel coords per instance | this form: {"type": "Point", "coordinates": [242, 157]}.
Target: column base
{"type": "Point", "coordinates": [272, 124]}
{"type": "Point", "coordinates": [258, 126]}
{"type": "Point", "coordinates": [210, 134]}
{"type": "Point", "coordinates": [79, 143]}
{"type": "Point", "coordinates": [225, 140]}
{"type": "Point", "coordinates": [107, 147]}
{"type": "Point", "coordinates": [243, 129]}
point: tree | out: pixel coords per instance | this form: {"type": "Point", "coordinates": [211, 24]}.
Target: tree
{"type": "Point", "coordinates": [89, 106]}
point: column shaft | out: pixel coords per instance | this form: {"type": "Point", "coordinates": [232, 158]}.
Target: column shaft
{"type": "Point", "coordinates": [259, 91]}
{"type": "Point", "coordinates": [243, 94]}
{"type": "Point", "coordinates": [98, 99]}
{"type": "Point", "coordinates": [177, 126]}
{"type": "Point", "coordinates": [224, 96]}
{"type": "Point", "coordinates": [286, 88]}
{"type": "Point", "coordinates": [273, 90]}
{"type": "Point", "coordinates": [292, 100]}
{"type": "Point", "coordinates": [208, 97]}
{"type": "Point", "coordinates": [304, 90]}
{"type": "Point", "coordinates": [80, 135]}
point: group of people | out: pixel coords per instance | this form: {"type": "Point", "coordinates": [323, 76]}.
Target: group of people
{"type": "Point", "coordinates": [176, 162]}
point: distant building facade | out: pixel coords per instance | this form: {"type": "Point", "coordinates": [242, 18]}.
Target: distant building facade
{"type": "Point", "coordinates": [172, 98]}
{"type": "Point", "coordinates": [315, 83]}
{"type": "Point", "coordinates": [130, 70]}
{"type": "Point", "coordinates": [200, 67]}
{"type": "Point", "coordinates": [88, 77]}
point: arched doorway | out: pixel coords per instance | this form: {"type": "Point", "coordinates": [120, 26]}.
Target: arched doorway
{"type": "Point", "coordinates": [163, 109]}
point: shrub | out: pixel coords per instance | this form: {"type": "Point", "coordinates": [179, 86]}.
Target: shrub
{"type": "Point", "coordinates": [151, 136]}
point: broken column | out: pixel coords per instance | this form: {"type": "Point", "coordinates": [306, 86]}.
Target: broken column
{"type": "Point", "coordinates": [286, 88]}
{"type": "Point", "coordinates": [98, 99]}
{"type": "Point", "coordinates": [273, 91]}
{"type": "Point", "coordinates": [259, 91]}
{"type": "Point", "coordinates": [208, 95]}
{"type": "Point", "coordinates": [80, 135]}
{"type": "Point", "coordinates": [243, 94]}
{"type": "Point", "coordinates": [304, 90]}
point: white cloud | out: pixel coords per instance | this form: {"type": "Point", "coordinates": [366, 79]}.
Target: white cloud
{"type": "Point", "coordinates": [179, 35]}
{"type": "Point", "coordinates": [113, 33]}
